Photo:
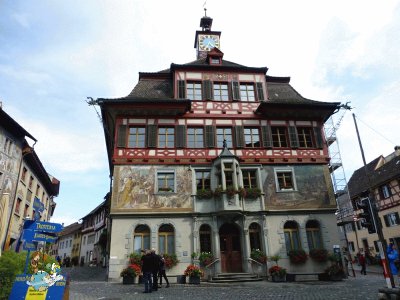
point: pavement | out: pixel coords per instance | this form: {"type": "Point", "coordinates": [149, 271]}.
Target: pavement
{"type": "Point", "coordinates": [89, 283]}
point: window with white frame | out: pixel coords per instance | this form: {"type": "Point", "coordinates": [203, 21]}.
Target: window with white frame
{"type": "Point", "coordinates": [166, 239]}
{"type": "Point", "coordinates": [247, 92]}
{"type": "Point", "coordinates": [392, 219]}
{"type": "Point", "coordinates": [193, 90]}
{"type": "Point", "coordinates": [221, 91]}
{"type": "Point", "coordinates": [203, 180]}
{"type": "Point", "coordinates": [165, 181]}
{"type": "Point", "coordinates": [195, 137]}
{"type": "Point", "coordinates": [384, 191]}
{"type": "Point", "coordinates": [141, 238]}
{"type": "Point", "coordinates": [285, 180]}
{"type": "Point", "coordinates": [249, 178]}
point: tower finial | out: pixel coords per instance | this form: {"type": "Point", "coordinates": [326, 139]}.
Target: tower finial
{"type": "Point", "coordinates": [205, 10]}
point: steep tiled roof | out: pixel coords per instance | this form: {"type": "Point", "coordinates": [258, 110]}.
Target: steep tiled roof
{"type": "Point", "coordinates": [360, 183]}
{"type": "Point", "coordinates": [152, 89]}
{"type": "Point", "coordinates": [70, 229]}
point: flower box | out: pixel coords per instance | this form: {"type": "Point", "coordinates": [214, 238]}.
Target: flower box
{"type": "Point", "coordinates": [194, 280]}
{"type": "Point", "coordinates": [128, 280]}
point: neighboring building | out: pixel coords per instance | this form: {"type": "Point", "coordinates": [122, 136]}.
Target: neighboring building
{"type": "Point", "coordinates": [383, 180]}
{"type": "Point", "coordinates": [22, 178]}
{"type": "Point", "coordinates": [188, 132]}
{"type": "Point", "coordinates": [67, 242]}
{"type": "Point", "coordinates": [93, 225]}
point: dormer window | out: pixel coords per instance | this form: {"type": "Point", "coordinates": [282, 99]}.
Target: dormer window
{"type": "Point", "coordinates": [215, 60]}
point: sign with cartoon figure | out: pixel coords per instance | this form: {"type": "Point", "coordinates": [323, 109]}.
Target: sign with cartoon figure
{"type": "Point", "coordinates": [41, 278]}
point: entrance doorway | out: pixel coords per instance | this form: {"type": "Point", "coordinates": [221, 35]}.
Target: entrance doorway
{"type": "Point", "coordinates": [231, 255]}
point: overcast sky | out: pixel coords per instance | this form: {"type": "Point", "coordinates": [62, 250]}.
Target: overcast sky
{"type": "Point", "coordinates": [54, 54]}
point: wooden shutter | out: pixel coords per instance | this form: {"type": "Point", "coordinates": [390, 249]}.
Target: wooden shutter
{"type": "Point", "coordinates": [318, 138]}
{"type": "Point", "coordinates": [235, 90]}
{"type": "Point", "coordinates": [260, 91]}
{"type": "Point", "coordinates": [397, 218]}
{"type": "Point", "coordinates": [386, 218]}
{"type": "Point", "coordinates": [207, 90]}
{"type": "Point", "coordinates": [239, 136]}
{"type": "Point", "coordinates": [121, 137]}
{"type": "Point", "coordinates": [266, 136]}
{"type": "Point", "coordinates": [181, 89]}
{"type": "Point", "coordinates": [180, 136]}
{"type": "Point", "coordinates": [209, 136]}
{"type": "Point", "coordinates": [293, 138]}
{"type": "Point", "coordinates": [151, 138]}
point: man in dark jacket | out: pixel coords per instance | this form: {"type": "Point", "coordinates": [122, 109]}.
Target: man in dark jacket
{"type": "Point", "coordinates": [156, 268]}
{"type": "Point", "coordinates": [147, 269]}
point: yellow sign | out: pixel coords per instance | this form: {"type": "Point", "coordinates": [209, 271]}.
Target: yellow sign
{"type": "Point", "coordinates": [32, 294]}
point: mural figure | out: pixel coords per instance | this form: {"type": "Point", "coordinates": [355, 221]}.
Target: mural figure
{"type": "Point", "coordinates": [125, 197]}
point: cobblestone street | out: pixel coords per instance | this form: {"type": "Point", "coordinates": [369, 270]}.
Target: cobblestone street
{"type": "Point", "coordinates": [88, 283]}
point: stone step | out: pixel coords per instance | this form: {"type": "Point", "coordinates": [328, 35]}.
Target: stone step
{"type": "Point", "coordinates": [234, 277]}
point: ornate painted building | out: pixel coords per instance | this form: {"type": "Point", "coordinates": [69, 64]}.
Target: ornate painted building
{"type": "Point", "coordinates": [22, 178]}
{"type": "Point", "coordinates": [219, 157]}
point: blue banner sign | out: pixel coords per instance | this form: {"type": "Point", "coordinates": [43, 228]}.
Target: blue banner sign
{"type": "Point", "coordinates": [29, 245]}
{"type": "Point", "coordinates": [28, 287]}
{"type": "Point", "coordinates": [43, 226]}
{"type": "Point", "coordinates": [30, 235]}
{"type": "Point", "coordinates": [37, 205]}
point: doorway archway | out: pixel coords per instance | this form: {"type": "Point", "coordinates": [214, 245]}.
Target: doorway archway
{"type": "Point", "coordinates": [230, 246]}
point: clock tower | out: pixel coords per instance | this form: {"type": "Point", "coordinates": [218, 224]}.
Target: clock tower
{"type": "Point", "coordinates": [205, 39]}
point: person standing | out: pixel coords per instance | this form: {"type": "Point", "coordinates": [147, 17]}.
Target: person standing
{"type": "Point", "coordinates": [156, 266]}
{"type": "Point", "coordinates": [147, 269]}
{"type": "Point", "coordinates": [161, 273]}
{"type": "Point", "coordinates": [363, 264]}
{"type": "Point", "coordinates": [393, 256]}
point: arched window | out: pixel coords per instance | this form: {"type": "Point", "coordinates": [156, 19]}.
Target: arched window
{"type": "Point", "coordinates": [255, 237]}
{"type": "Point", "coordinates": [313, 235]}
{"type": "Point", "coordinates": [141, 239]}
{"type": "Point", "coordinates": [292, 239]}
{"type": "Point", "coordinates": [166, 239]}
{"type": "Point", "coordinates": [205, 238]}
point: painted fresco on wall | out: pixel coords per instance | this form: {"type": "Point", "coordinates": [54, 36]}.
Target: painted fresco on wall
{"type": "Point", "coordinates": [314, 189]}
{"type": "Point", "coordinates": [134, 189]}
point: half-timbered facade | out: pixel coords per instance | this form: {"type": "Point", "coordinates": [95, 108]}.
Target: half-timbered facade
{"type": "Point", "coordinates": [219, 157]}
{"type": "Point", "coordinates": [382, 177]}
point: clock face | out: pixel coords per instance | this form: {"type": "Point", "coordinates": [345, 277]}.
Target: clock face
{"type": "Point", "coordinates": [208, 42]}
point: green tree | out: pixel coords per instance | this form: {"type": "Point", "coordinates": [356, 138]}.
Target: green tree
{"type": "Point", "coordinates": [11, 264]}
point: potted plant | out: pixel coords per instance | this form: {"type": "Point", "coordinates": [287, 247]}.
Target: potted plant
{"type": "Point", "coordinates": [170, 260]}
{"type": "Point", "coordinates": [298, 256]}
{"type": "Point", "coordinates": [242, 192]}
{"type": "Point", "coordinates": [218, 192]}
{"type": "Point", "coordinates": [319, 255]}
{"type": "Point", "coordinates": [194, 273]}
{"type": "Point", "coordinates": [129, 274]}
{"type": "Point", "coordinates": [335, 272]}
{"type": "Point", "coordinates": [230, 191]}
{"type": "Point", "coordinates": [206, 258]}
{"type": "Point", "coordinates": [277, 273]}
{"type": "Point", "coordinates": [135, 258]}
{"type": "Point", "coordinates": [259, 256]}
{"type": "Point", "coordinates": [204, 194]}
